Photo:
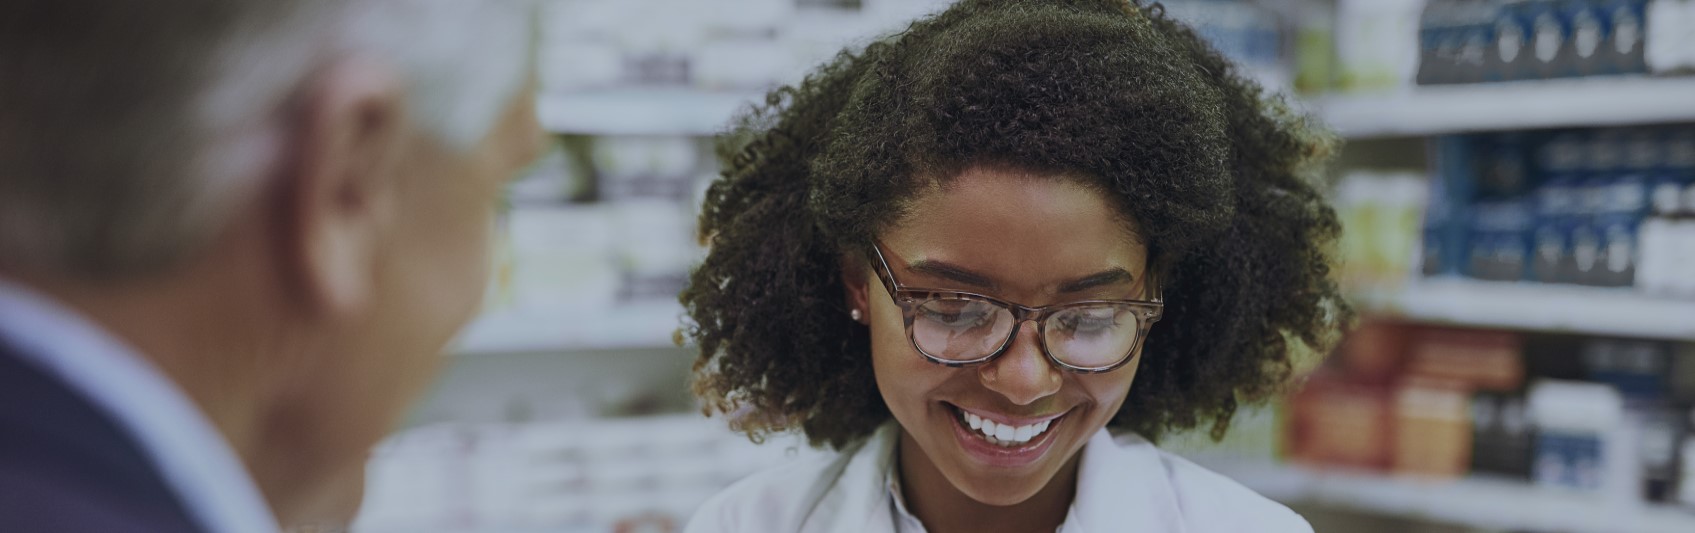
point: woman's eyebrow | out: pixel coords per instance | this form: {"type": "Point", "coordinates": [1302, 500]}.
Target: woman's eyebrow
{"type": "Point", "coordinates": [1099, 279]}
{"type": "Point", "coordinates": [966, 276]}
{"type": "Point", "coordinates": [952, 272]}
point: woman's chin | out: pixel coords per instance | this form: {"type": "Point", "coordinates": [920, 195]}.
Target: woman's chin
{"type": "Point", "coordinates": [1001, 496]}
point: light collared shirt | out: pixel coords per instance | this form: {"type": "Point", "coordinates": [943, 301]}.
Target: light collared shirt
{"type": "Point", "coordinates": [1124, 483]}
{"type": "Point", "coordinates": [194, 459]}
{"type": "Point", "coordinates": [905, 522]}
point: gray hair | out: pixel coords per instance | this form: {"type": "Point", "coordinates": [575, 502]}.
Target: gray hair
{"type": "Point", "coordinates": [129, 130]}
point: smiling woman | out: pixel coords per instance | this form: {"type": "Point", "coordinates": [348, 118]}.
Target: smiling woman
{"type": "Point", "coordinates": [989, 257]}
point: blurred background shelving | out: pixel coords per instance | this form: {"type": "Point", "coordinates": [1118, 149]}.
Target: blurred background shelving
{"type": "Point", "coordinates": [1536, 307]}
{"type": "Point", "coordinates": [1517, 190]}
{"type": "Point", "coordinates": [1482, 503]}
{"type": "Point", "coordinates": [1439, 110]}
{"type": "Point", "coordinates": [671, 111]}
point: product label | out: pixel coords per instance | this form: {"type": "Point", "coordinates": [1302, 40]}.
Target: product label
{"type": "Point", "coordinates": [1627, 30]}
{"type": "Point", "coordinates": [1549, 37]}
{"type": "Point", "coordinates": [1586, 34]}
{"type": "Point", "coordinates": [1509, 39]}
{"type": "Point", "coordinates": [1568, 460]}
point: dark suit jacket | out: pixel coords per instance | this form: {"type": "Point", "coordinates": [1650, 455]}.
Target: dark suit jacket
{"type": "Point", "coordinates": [66, 467]}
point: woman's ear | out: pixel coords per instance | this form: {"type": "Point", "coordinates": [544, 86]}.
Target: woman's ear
{"type": "Point", "coordinates": [856, 288]}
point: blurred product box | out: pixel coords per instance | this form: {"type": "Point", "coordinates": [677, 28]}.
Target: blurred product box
{"type": "Point", "coordinates": [1668, 232]}
{"type": "Point", "coordinates": [1686, 482]}
{"type": "Point", "coordinates": [1381, 214]}
{"type": "Point", "coordinates": [1670, 45]}
{"type": "Point", "coordinates": [1574, 421]}
{"type": "Point", "coordinates": [1338, 423]}
{"type": "Point", "coordinates": [1499, 240]}
{"type": "Point", "coordinates": [1475, 41]}
{"type": "Point", "coordinates": [1471, 360]}
{"type": "Point", "coordinates": [1663, 431]}
{"type": "Point", "coordinates": [1454, 41]}
{"type": "Point", "coordinates": [1433, 430]}
{"type": "Point", "coordinates": [1559, 208]}
{"type": "Point", "coordinates": [1375, 353]}
{"type": "Point", "coordinates": [1603, 207]}
{"type": "Point", "coordinates": [1502, 435]}
{"type": "Point", "coordinates": [1315, 46]}
{"type": "Point", "coordinates": [1639, 370]}
{"type": "Point", "coordinates": [1682, 380]}
{"type": "Point", "coordinates": [1377, 44]}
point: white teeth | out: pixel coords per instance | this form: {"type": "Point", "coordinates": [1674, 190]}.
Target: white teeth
{"type": "Point", "coordinates": [1003, 434]}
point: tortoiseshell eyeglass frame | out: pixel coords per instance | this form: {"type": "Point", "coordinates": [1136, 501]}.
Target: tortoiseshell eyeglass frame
{"type": "Point", "coordinates": [910, 298]}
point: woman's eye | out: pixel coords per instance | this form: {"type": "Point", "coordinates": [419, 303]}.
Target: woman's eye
{"type": "Point", "coordinates": [956, 316]}
{"type": "Point", "coordinates": [1087, 322]}
{"type": "Point", "coordinates": [955, 319]}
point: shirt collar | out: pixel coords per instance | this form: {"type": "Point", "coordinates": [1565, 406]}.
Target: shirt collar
{"type": "Point", "coordinates": [1121, 485]}
{"type": "Point", "coordinates": [190, 454]}
{"type": "Point", "coordinates": [905, 522]}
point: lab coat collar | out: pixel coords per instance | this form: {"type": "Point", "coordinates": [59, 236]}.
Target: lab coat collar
{"type": "Point", "coordinates": [1122, 485]}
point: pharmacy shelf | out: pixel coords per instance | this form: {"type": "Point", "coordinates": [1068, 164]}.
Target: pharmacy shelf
{"type": "Point", "coordinates": [1414, 111]}
{"type": "Point", "coordinates": [1580, 102]}
{"type": "Point", "coordinates": [1492, 504]}
{"type": "Point", "coordinates": [645, 326]}
{"type": "Point", "coordinates": [641, 111]}
{"type": "Point", "coordinates": [1553, 308]}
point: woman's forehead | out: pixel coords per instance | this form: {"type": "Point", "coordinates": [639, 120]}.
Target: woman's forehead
{"type": "Point", "coordinates": [1017, 227]}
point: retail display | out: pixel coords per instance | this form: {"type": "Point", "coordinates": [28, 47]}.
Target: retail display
{"type": "Point", "coordinates": [1602, 418]}
{"type": "Point", "coordinates": [596, 475]}
{"type": "Point", "coordinates": [1567, 207]}
{"type": "Point", "coordinates": [1472, 41]}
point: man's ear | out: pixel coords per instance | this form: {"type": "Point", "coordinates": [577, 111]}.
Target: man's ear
{"type": "Point", "coordinates": [339, 194]}
{"type": "Point", "coordinates": [856, 286]}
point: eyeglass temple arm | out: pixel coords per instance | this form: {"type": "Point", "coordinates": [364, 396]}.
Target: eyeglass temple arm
{"type": "Point", "coordinates": [884, 273]}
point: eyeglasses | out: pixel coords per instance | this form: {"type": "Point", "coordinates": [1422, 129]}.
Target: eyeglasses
{"type": "Point", "coordinates": [956, 328]}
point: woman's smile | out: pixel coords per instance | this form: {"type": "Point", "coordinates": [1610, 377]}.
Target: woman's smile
{"type": "Point", "coordinates": [1000, 441]}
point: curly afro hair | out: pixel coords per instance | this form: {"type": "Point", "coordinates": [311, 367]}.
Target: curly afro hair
{"type": "Point", "coordinates": [1221, 180]}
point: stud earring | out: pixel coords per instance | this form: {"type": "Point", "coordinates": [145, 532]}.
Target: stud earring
{"type": "Point", "coordinates": [856, 315]}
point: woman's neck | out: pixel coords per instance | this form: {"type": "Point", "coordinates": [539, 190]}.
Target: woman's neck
{"type": "Point", "coordinates": [943, 508]}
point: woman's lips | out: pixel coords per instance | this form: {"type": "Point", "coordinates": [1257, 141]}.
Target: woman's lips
{"type": "Point", "coordinates": [1019, 450]}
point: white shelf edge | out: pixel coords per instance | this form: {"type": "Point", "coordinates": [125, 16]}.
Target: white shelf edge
{"type": "Point", "coordinates": [1476, 502]}
{"type": "Point", "coordinates": [1620, 312]}
{"type": "Point", "coordinates": [1443, 109]}
{"type": "Point", "coordinates": [1410, 112]}
{"type": "Point", "coordinates": [645, 326]}
{"type": "Point", "coordinates": [643, 111]}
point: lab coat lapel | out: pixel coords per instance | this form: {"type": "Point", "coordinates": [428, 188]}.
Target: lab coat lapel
{"type": "Point", "coordinates": [858, 502]}
{"type": "Point", "coordinates": [1123, 485]}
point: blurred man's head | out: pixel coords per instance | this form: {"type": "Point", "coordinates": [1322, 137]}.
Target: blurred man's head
{"type": "Point", "coordinates": [284, 203]}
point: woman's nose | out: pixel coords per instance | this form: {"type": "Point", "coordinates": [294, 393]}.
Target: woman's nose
{"type": "Point", "coordinates": [1022, 374]}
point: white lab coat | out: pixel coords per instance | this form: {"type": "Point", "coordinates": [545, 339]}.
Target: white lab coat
{"type": "Point", "coordinates": [1125, 485]}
